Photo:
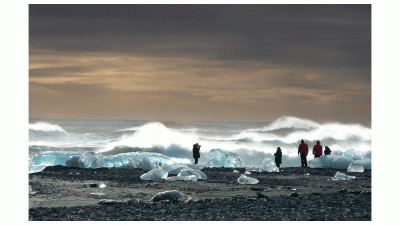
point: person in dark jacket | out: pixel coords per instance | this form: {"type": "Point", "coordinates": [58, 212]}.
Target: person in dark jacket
{"type": "Point", "coordinates": [278, 157]}
{"type": "Point", "coordinates": [196, 152]}
{"type": "Point", "coordinates": [317, 150]}
{"type": "Point", "coordinates": [303, 152]}
{"type": "Point", "coordinates": [327, 151]}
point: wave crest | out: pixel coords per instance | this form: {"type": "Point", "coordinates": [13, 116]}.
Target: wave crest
{"type": "Point", "coordinates": [46, 127]}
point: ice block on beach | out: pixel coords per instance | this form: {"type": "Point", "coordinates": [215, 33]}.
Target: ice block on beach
{"type": "Point", "coordinates": [168, 195]}
{"type": "Point", "coordinates": [219, 158]}
{"type": "Point", "coordinates": [355, 168]}
{"type": "Point", "coordinates": [155, 175]}
{"type": "Point", "coordinates": [243, 179]}
{"type": "Point", "coordinates": [268, 165]}
{"type": "Point", "coordinates": [342, 176]}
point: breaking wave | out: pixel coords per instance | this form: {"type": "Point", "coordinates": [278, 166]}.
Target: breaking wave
{"type": "Point", "coordinates": [251, 141]}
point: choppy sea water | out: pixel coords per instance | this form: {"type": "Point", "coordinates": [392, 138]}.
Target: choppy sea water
{"type": "Point", "coordinates": [252, 141]}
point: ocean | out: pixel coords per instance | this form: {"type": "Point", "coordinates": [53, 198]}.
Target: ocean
{"type": "Point", "coordinates": [251, 141]}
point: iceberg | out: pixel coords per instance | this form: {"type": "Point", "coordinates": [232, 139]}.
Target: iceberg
{"type": "Point", "coordinates": [155, 175]}
{"type": "Point", "coordinates": [35, 169]}
{"type": "Point", "coordinates": [143, 163]}
{"type": "Point", "coordinates": [218, 158]}
{"type": "Point", "coordinates": [156, 158]}
{"type": "Point", "coordinates": [95, 160]}
{"type": "Point", "coordinates": [91, 160]}
{"type": "Point", "coordinates": [332, 161]}
{"type": "Point", "coordinates": [235, 171]}
{"type": "Point", "coordinates": [355, 168]}
{"type": "Point", "coordinates": [352, 154]}
{"type": "Point", "coordinates": [365, 162]}
{"type": "Point", "coordinates": [247, 172]}
{"type": "Point", "coordinates": [73, 161]}
{"type": "Point", "coordinates": [49, 158]}
{"type": "Point", "coordinates": [342, 176]}
{"type": "Point", "coordinates": [342, 162]}
{"type": "Point", "coordinates": [243, 179]}
{"type": "Point", "coordinates": [168, 195]}
{"type": "Point", "coordinates": [268, 165]}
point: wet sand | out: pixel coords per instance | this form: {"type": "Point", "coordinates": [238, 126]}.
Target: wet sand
{"type": "Point", "coordinates": [63, 193]}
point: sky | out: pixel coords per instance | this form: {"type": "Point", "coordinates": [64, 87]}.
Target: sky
{"type": "Point", "coordinates": [251, 63]}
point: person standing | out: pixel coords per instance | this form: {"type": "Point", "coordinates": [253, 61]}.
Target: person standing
{"type": "Point", "coordinates": [327, 151]}
{"type": "Point", "coordinates": [196, 152]}
{"type": "Point", "coordinates": [278, 157]}
{"type": "Point", "coordinates": [317, 150]}
{"type": "Point", "coordinates": [303, 152]}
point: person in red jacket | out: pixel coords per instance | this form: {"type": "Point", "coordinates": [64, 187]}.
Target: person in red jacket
{"type": "Point", "coordinates": [317, 150]}
{"type": "Point", "coordinates": [303, 152]}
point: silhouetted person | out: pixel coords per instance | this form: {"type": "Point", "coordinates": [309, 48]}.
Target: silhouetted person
{"type": "Point", "coordinates": [278, 157]}
{"type": "Point", "coordinates": [196, 152]}
{"type": "Point", "coordinates": [327, 151]}
{"type": "Point", "coordinates": [317, 150]}
{"type": "Point", "coordinates": [303, 152]}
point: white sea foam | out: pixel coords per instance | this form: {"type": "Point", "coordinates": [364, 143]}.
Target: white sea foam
{"type": "Point", "coordinates": [46, 127]}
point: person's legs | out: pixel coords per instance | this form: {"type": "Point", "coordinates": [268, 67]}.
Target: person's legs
{"type": "Point", "coordinates": [196, 160]}
{"type": "Point", "coordinates": [303, 160]}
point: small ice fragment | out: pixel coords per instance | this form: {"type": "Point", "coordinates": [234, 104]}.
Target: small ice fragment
{"type": "Point", "coordinates": [342, 176]}
{"type": "Point", "coordinates": [247, 172]}
{"type": "Point", "coordinates": [355, 168]}
{"type": "Point", "coordinates": [97, 194]}
{"type": "Point", "coordinates": [102, 185]}
{"type": "Point", "coordinates": [168, 195]}
{"type": "Point", "coordinates": [243, 179]}
{"type": "Point", "coordinates": [307, 174]}
{"type": "Point", "coordinates": [183, 178]}
{"type": "Point", "coordinates": [30, 190]}
{"type": "Point", "coordinates": [235, 171]}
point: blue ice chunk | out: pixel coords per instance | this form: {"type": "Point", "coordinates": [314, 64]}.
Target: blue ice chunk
{"type": "Point", "coordinates": [55, 158]}
{"type": "Point", "coordinates": [365, 162]}
{"type": "Point", "coordinates": [331, 161]}
{"type": "Point", "coordinates": [352, 154]}
{"type": "Point", "coordinates": [121, 159]}
{"type": "Point", "coordinates": [143, 163]}
{"type": "Point", "coordinates": [219, 158]}
{"type": "Point", "coordinates": [355, 168]}
{"type": "Point", "coordinates": [91, 160]}
{"type": "Point", "coordinates": [342, 162]}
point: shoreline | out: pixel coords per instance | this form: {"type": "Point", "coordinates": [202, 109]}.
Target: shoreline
{"type": "Point", "coordinates": [65, 190]}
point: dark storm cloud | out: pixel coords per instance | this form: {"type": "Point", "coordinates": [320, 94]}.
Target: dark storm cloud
{"type": "Point", "coordinates": [307, 35]}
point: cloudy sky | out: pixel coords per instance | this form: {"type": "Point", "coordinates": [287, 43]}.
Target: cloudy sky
{"type": "Point", "coordinates": [200, 62]}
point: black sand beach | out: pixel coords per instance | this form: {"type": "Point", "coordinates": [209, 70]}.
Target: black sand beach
{"type": "Point", "coordinates": [64, 193]}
